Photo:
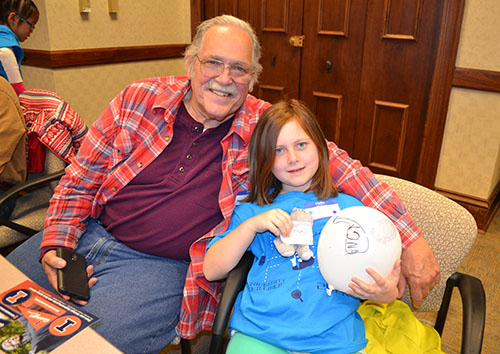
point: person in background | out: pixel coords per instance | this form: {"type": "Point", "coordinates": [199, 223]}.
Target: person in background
{"type": "Point", "coordinates": [157, 177]}
{"type": "Point", "coordinates": [17, 21]}
{"type": "Point", "coordinates": [13, 148]}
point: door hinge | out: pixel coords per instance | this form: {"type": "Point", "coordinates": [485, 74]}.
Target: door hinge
{"type": "Point", "coordinates": [297, 41]}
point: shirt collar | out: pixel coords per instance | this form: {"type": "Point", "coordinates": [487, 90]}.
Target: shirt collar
{"type": "Point", "coordinates": [172, 94]}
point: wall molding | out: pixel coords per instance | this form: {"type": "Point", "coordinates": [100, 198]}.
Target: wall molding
{"type": "Point", "coordinates": [484, 80]}
{"type": "Point", "coordinates": [99, 56]}
{"type": "Point", "coordinates": [482, 210]}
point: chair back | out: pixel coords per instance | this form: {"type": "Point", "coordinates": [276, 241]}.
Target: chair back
{"type": "Point", "coordinates": [31, 207]}
{"type": "Point", "coordinates": [449, 229]}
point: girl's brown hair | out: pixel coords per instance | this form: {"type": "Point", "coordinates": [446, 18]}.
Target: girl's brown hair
{"type": "Point", "coordinates": [264, 186]}
{"type": "Point", "coordinates": [23, 8]}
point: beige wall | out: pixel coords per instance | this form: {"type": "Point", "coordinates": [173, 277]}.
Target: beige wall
{"type": "Point", "coordinates": [470, 156]}
{"type": "Point", "coordinates": [62, 26]}
{"type": "Point", "coordinates": [89, 89]}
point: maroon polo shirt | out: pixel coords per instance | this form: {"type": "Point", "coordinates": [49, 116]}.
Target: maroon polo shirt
{"type": "Point", "coordinates": [174, 200]}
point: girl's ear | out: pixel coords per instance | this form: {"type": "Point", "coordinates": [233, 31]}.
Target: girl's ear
{"type": "Point", "coordinates": [12, 18]}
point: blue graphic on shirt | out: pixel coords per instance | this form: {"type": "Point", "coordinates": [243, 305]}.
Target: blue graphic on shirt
{"type": "Point", "coordinates": [298, 263]}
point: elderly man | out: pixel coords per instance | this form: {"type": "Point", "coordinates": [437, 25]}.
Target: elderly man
{"type": "Point", "coordinates": [158, 176]}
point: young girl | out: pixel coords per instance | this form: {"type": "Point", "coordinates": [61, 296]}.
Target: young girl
{"type": "Point", "coordinates": [284, 306]}
{"type": "Point", "coordinates": [17, 20]}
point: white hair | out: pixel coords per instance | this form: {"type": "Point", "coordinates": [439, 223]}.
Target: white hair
{"type": "Point", "coordinates": [224, 20]}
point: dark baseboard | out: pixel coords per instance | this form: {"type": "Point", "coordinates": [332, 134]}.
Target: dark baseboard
{"type": "Point", "coordinates": [482, 210]}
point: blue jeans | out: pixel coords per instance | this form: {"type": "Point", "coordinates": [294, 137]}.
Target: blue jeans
{"type": "Point", "coordinates": [137, 296]}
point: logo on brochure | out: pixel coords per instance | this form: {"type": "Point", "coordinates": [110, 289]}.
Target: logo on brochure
{"type": "Point", "coordinates": [64, 326]}
{"type": "Point", "coordinates": [16, 297]}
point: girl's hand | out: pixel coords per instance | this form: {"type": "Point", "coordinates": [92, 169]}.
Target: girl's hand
{"type": "Point", "coordinates": [384, 290]}
{"type": "Point", "coordinates": [277, 221]}
{"type": "Point", "coordinates": [225, 254]}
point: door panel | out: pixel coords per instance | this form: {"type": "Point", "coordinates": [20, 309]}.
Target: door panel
{"type": "Point", "coordinates": [388, 135]}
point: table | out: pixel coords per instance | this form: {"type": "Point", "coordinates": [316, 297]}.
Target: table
{"type": "Point", "coordinates": [87, 341]}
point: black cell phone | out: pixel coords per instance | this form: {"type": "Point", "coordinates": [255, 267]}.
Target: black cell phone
{"type": "Point", "coordinates": [72, 280]}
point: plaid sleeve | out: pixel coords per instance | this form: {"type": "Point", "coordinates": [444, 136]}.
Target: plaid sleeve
{"type": "Point", "coordinates": [71, 204]}
{"type": "Point", "coordinates": [354, 179]}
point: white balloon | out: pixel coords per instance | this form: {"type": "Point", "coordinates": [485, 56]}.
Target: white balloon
{"type": "Point", "coordinates": [354, 239]}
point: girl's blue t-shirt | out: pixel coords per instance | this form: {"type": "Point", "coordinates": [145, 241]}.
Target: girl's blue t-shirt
{"type": "Point", "coordinates": [8, 39]}
{"type": "Point", "coordinates": [284, 301]}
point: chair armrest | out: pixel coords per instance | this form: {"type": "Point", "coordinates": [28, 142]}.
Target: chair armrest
{"type": "Point", "coordinates": [21, 187]}
{"type": "Point", "coordinates": [473, 307]}
{"type": "Point", "coordinates": [234, 284]}
{"type": "Point", "coordinates": [18, 188]}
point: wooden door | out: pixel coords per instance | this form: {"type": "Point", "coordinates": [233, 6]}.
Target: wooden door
{"type": "Point", "coordinates": [365, 69]}
{"type": "Point", "coordinates": [400, 47]}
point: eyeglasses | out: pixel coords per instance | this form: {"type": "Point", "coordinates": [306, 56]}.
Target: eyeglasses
{"type": "Point", "coordinates": [32, 25]}
{"type": "Point", "coordinates": [240, 73]}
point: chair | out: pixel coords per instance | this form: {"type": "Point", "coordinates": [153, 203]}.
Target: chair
{"type": "Point", "coordinates": [449, 229]}
{"type": "Point", "coordinates": [58, 127]}
{"type": "Point", "coordinates": [32, 202]}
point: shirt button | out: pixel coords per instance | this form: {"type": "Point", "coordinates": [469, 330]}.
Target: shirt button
{"type": "Point", "coordinates": [189, 156]}
{"type": "Point", "coordinates": [197, 129]}
{"type": "Point", "coordinates": [181, 169]}
{"type": "Point", "coordinates": [167, 138]}
{"type": "Point", "coordinates": [114, 189]}
{"type": "Point", "coordinates": [195, 143]}
{"type": "Point", "coordinates": [139, 165]}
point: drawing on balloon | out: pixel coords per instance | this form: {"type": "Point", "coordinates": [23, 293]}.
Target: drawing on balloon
{"type": "Point", "coordinates": [356, 240]}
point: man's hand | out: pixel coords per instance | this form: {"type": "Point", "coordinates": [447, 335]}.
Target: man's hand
{"type": "Point", "coordinates": [420, 269]}
{"type": "Point", "coordinates": [51, 263]}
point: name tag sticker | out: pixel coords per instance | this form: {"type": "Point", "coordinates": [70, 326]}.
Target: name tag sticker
{"type": "Point", "coordinates": [240, 196]}
{"type": "Point", "coordinates": [302, 233]}
{"type": "Point", "coordinates": [322, 209]}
